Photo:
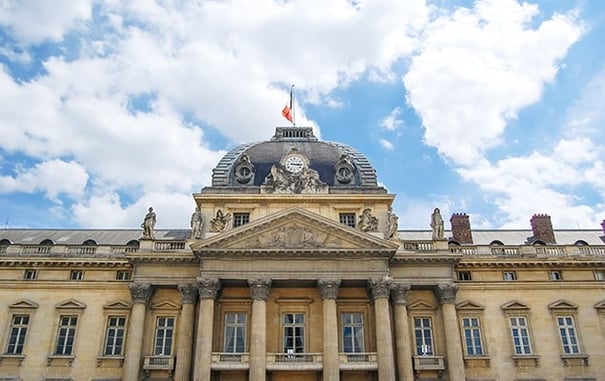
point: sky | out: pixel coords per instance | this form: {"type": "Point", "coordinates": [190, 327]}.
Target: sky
{"type": "Point", "coordinates": [491, 108]}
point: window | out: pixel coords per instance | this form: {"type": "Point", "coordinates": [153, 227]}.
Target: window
{"type": "Point", "coordinates": [472, 336]}
{"type": "Point", "coordinates": [235, 332]}
{"type": "Point", "coordinates": [520, 335]}
{"type": "Point", "coordinates": [76, 275]}
{"type": "Point", "coordinates": [423, 334]}
{"type": "Point", "coordinates": [599, 275]}
{"type": "Point", "coordinates": [464, 275]}
{"type": "Point", "coordinates": [294, 332]}
{"type": "Point", "coordinates": [510, 275]}
{"type": "Point", "coordinates": [567, 332]}
{"type": "Point", "coordinates": [18, 331]}
{"type": "Point", "coordinates": [555, 275]}
{"type": "Point", "coordinates": [240, 219]}
{"type": "Point", "coordinates": [164, 331]}
{"type": "Point", "coordinates": [123, 275]}
{"type": "Point", "coordinates": [114, 338]}
{"type": "Point", "coordinates": [352, 333]}
{"type": "Point", "coordinates": [30, 274]}
{"type": "Point", "coordinates": [347, 219]}
{"type": "Point", "coordinates": [66, 335]}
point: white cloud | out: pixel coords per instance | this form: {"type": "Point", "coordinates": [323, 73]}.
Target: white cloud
{"type": "Point", "coordinates": [387, 144]}
{"type": "Point", "coordinates": [392, 122]}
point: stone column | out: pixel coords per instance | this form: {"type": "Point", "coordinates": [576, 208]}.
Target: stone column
{"type": "Point", "coordinates": [446, 294]}
{"type": "Point", "coordinates": [405, 369]}
{"type": "Point", "coordinates": [380, 290]}
{"type": "Point", "coordinates": [208, 289]}
{"type": "Point", "coordinates": [259, 292]}
{"type": "Point", "coordinates": [185, 333]}
{"type": "Point", "coordinates": [328, 290]}
{"type": "Point", "coordinates": [140, 294]}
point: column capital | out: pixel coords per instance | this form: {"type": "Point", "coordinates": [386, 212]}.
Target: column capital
{"type": "Point", "coordinates": [259, 288]}
{"type": "Point", "coordinates": [188, 292]}
{"type": "Point", "coordinates": [208, 288]}
{"type": "Point", "coordinates": [399, 292]}
{"type": "Point", "coordinates": [140, 292]}
{"type": "Point", "coordinates": [380, 288]}
{"type": "Point", "coordinates": [446, 292]}
{"type": "Point", "coordinates": [328, 288]}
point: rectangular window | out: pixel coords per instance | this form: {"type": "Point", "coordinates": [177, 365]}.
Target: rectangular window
{"type": "Point", "coordinates": [352, 333]}
{"type": "Point", "coordinates": [66, 335]}
{"type": "Point", "coordinates": [347, 219]}
{"type": "Point", "coordinates": [567, 332]}
{"type": "Point", "coordinates": [294, 333]}
{"type": "Point", "coordinates": [30, 274]}
{"type": "Point", "coordinates": [472, 336]}
{"type": "Point", "coordinates": [164, 331]}
{"type": "Point", "coordinates": [114, 338]}
{"type": "Point", "coordinates": [555, 275]}
{"type": "Point", "coordinates": [510, 275]}
{"type": "Point", "coordinates": [235, 332]}
{"type": "Point", "coordinates": [464, 275]}
{"type": "Point", "coordinates": [520, 335]}
{"type": "Point", "coordinates": [123, 275]}
{"type": "Point", "coordinates": [240, 219]}
{"type": "Point", "coordinates": [18, 331]}
{"type": "Point", "coordinates": [423, 333]}
{"type": "Point", "coordinates": [76, 275]}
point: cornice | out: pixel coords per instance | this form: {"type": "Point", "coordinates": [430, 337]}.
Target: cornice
{"type": "Point", "coordinates": [171, 258]}
{"type": "Point", "coordinates": [451, 259]}
{"type": "Point", "coordinates": [529, 264]}
{"type": "Point", "coordinates": [58, 262]}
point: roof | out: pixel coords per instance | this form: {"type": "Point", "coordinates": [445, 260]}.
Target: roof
{"type": "Point", "coordinates": [79, 236]}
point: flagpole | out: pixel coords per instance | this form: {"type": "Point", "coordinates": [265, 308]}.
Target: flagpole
{"type": "Point", "coordinates": [292, 106]}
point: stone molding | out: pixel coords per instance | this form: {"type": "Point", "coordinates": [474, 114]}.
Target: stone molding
{"type": "Point", "coordinates": [140, 292]}
{"type": "Point", "coordinates": [208, 288]}
{"type": "Point", "coordinates": [380, 288]}
{"type": "Point", "coordinates": [399, 293]}
{"type": "Point", "coordinates": [328, 288]}
{"type": "Point", "coordinates": [188, 292]}
{"type": "Point", "coordinates": [446, 292]}
{"type": "Point", "coordinates": [259, 288]}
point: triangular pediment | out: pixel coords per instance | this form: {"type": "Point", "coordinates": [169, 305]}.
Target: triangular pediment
{"type": "Point", "coordinates": [165, 305]}
{"type": "Point", "coordinates": [514, 305]}
{"type": "Point", "coordinates": [422, 305]}
{"type": "Point", "coordinates": [468, 306]}
{"type": "Point", "coordinates": [25, 304]}
{"type": "Point", "coordinates": [71, 304]}
{"type": "Point", "coordinates": [118, 305]}
{"type": "Point", "coordinates": [294, 230]}
{"type": "Point", "coordinates": [600, 305]}
{"type": "Point", "coordinates": [562, 305]}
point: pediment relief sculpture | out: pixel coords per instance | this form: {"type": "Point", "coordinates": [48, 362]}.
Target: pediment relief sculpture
{"type": "Point", "coordinates": [220, 222]}
{"type": "Point", "coordinates": [292, 236]}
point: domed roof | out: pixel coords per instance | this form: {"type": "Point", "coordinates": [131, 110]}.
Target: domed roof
{"type": "Point", "coordinates": [337, 165]}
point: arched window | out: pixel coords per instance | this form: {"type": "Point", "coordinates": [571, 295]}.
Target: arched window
{"type": "Point", "coordinates": [496, 243]}
{"type": "Point", "coordinates": [89, 242]}
{"type": "Point", "coordinates": [581, 242]}
{"type": "Point", "coordinates": [47, 242]}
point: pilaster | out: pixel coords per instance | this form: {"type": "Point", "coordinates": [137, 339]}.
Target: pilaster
{"type": "Point", "coordinates": [446, 295]}
{"type": "Point", "coordinates": [328, 289]}
{"type": "Point", "coordinates": [208, 289]}
{"type": "Point", "coordinates": [380, 290]}
{"type": "Point", "coordinates": [403, 342]}
{"type": "Point", "coordinates": [259, 292]}
{"type": "Point", "coordinates": [140, 294]}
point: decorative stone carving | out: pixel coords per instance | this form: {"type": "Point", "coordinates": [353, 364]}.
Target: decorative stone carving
{"type": "Point", "coordinates": [149, 224]}
{"type": "Point", "coordinates": [208, 288]}
{"type": "Point", "coordinates": [437, 224]}
{"type": "Point", "coordinates": [244, 170]}
{"type": "Point", "coordinates": [399, 293]}
{"type": "Point", "coordinates": [197, 223]}
{"type": "Point", "coordinates": [220, 222]}
{"type": "Point", "coordinates": [328, 288]}
{"type": "Point", "coordinates": [293, 175]}
{"type": "Point", "coordinates": [446, 292]}
{"type": "Point", "coordinates": [188, 293]}
{"type": "Point", "coordinates": [392, 224]}
{"type": "Point", "coordinates": [259, 288]}
{"type": "Point", "coordinates": [344, 171]}
{"type": "Point", "coordinates": [367, 222]}
{"type": "Point", "coordinates": [140, 292]}
{"type": "Point", "coordinates": [293, 236]}
{"type": "Point", "coordinates": [380, 288]}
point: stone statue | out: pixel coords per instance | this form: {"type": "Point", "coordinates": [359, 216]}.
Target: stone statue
{"type": "Point", "coordinates": [392, 221]}
{"type": "Point", "coordinates": [197, 223]}
{"type": "Point", "coordinates": [367, 222]}
{"type": "Point", "coordinates": [220, 222]}
{"type": "Point", "coordinates": [437, 224]}
{"type": "Point", "coordinates": [149, 224]}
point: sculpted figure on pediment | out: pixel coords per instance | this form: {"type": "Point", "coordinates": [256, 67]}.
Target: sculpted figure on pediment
{"type": "Point", "coordinates": [437, 224]}
{"type": "Point", "coordinates": [367, 222]}
{"type": "Point", "coordinates": [220, 222]}
{"type": "Point", "coordinates": [392, 221]}
{"type": "Point", "coordinates": [294, 236]}
{"type": "Point", "coordinates": [197, 223]}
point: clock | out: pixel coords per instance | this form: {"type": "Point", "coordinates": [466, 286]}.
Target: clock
{"type": "Point", "coordinates": [294, 163]}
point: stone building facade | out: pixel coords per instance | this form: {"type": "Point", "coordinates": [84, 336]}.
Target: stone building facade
{"type": "Point", "coordinates": [295, 269]}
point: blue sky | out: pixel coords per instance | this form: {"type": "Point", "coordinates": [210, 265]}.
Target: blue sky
{"type": "Point", "coordinates": [492, 108]}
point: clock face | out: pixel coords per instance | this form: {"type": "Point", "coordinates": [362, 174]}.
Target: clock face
{"type": "Point", "coordinates": [294, 164]}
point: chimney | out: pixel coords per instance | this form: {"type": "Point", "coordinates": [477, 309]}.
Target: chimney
{"type": "Point", "coordinates": [542, 228]}
{"type": "Point", "coordinates": [461, 228]}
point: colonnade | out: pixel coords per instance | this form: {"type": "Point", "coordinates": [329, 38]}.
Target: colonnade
{"type": "Point", "coordinates": [394, 361]}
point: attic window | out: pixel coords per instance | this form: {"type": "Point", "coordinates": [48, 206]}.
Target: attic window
{"type": "Point", "coordinates": [89, 242]}
{"type": "Point", "coordinates": [47, 242]}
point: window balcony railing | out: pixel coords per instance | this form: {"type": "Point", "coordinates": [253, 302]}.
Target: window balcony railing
{"type": "Point", "coordinates": [358, 361]}
{"type": "Point", "coordinates": [158, 363]}
{"type": "Point", "coordinates": [422, 363]}
{"type": "Point", "coordinates": [230, 360]}
{"type": "Point", "coordinates": [294, 361]}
